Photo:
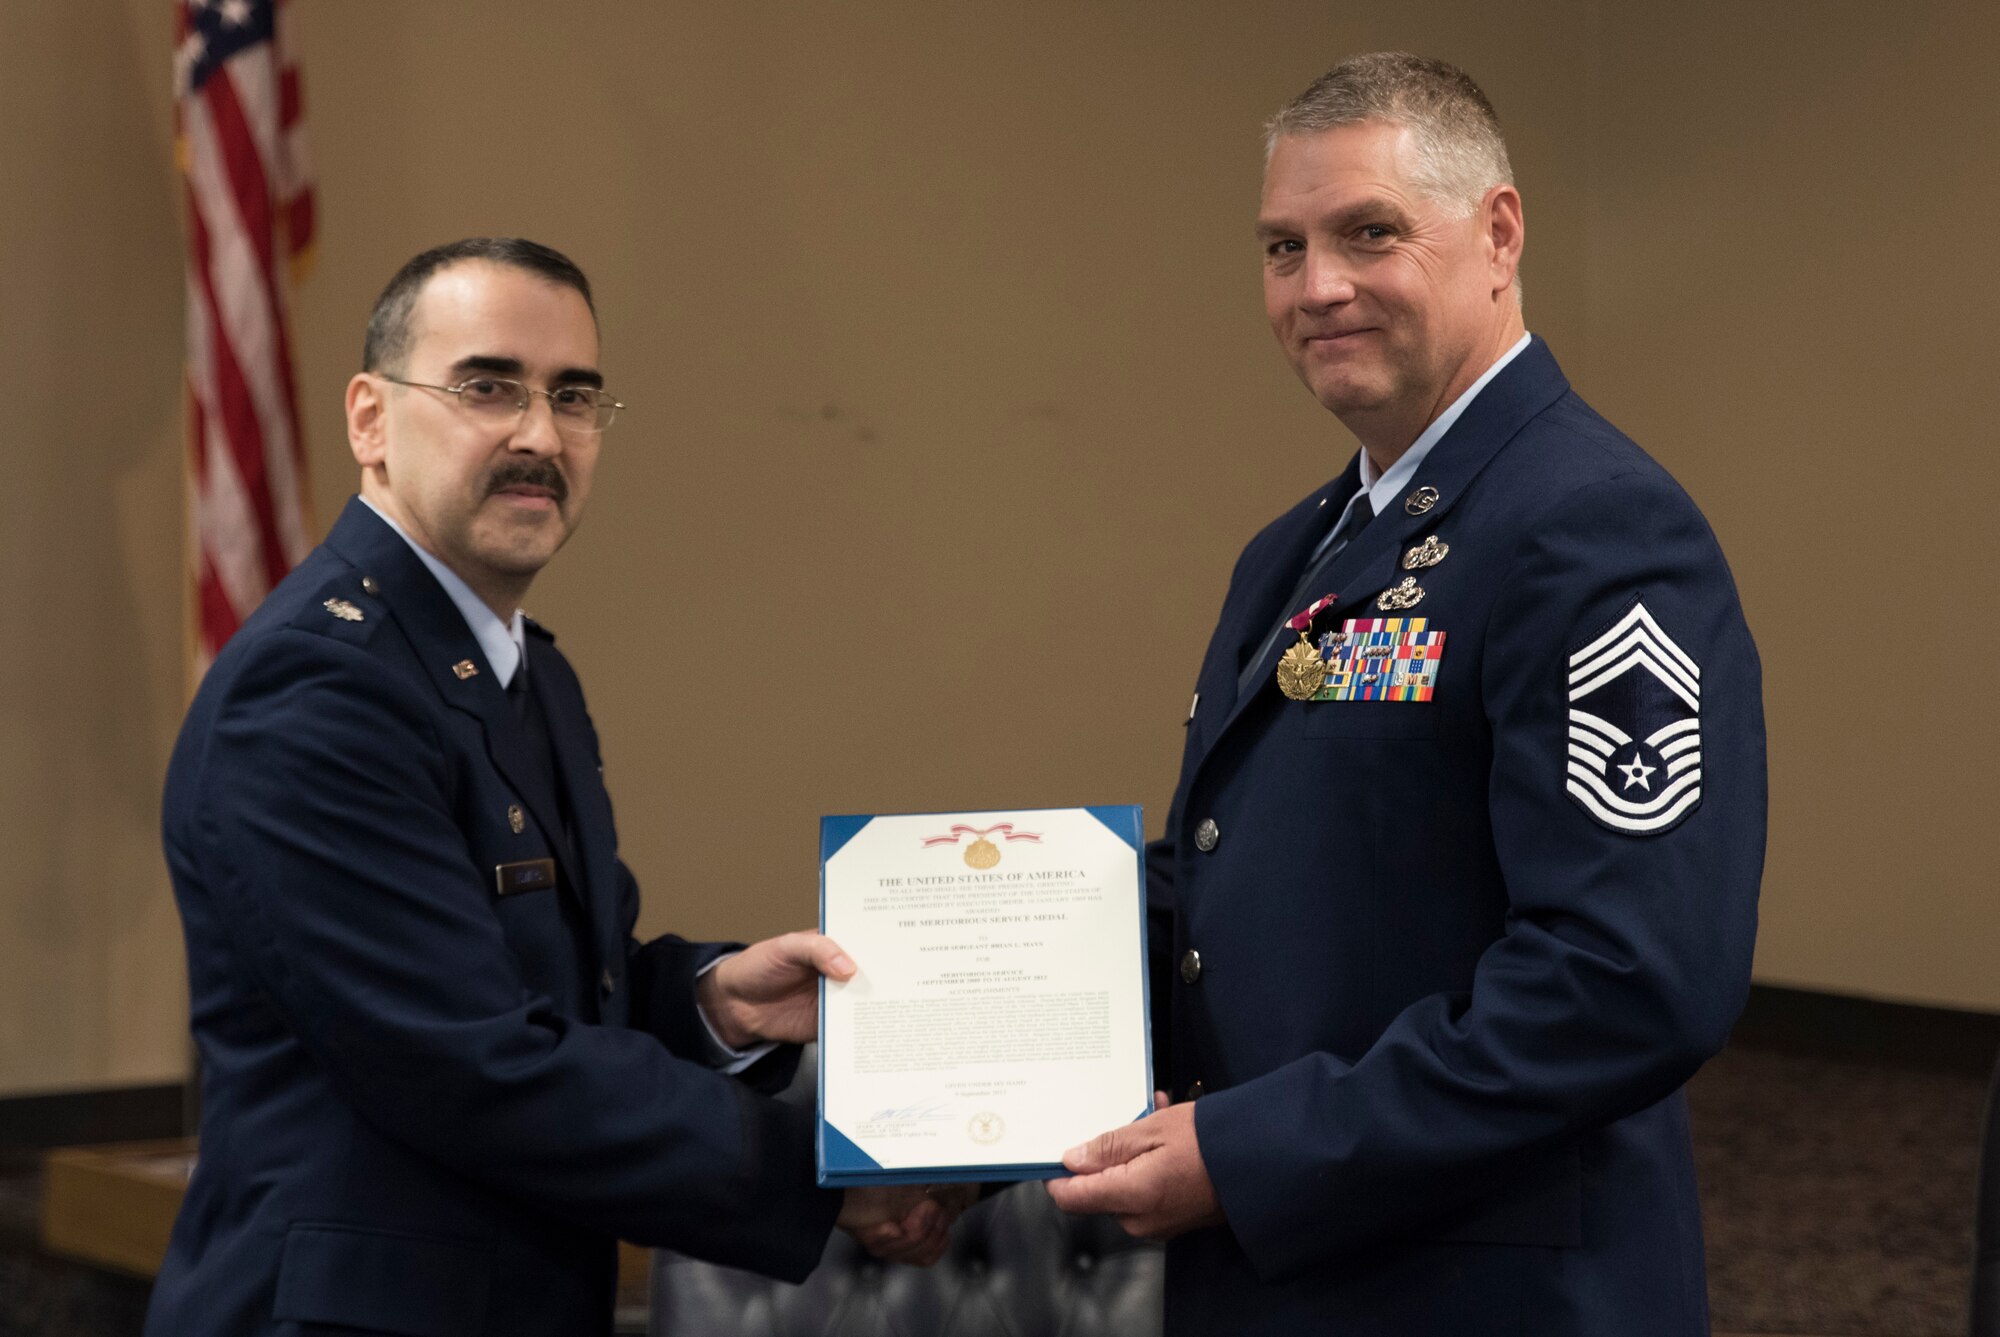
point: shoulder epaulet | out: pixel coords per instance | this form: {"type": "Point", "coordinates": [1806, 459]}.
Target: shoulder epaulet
{"type": "Point", "coordinates": [535, 628]}
{"type": "Point", "coordinates": [348, 606]}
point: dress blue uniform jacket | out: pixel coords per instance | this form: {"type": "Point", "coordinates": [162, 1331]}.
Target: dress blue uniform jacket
{"type": "Point", "coordinates": [1447, 992]}
{"type": "Point", "coordinates": [428, 1108]}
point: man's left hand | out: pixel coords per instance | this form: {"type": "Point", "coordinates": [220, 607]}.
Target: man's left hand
{"type": "Point", "coordinates": [1148, 1174]}
{"type": "Point", "coordinates": [770, 989]}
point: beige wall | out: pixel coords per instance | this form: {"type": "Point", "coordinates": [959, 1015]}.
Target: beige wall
{"type": "Point", "coordinates": [953, 405]}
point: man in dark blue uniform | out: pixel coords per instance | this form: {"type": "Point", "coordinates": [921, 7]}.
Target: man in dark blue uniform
{"type": "Point", "coordinates": [1459, 883]}
{"type": "Point", "coordinates": [440, 1079]}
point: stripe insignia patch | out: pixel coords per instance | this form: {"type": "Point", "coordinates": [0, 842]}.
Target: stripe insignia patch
{"type": "Point", "coordinates": [1634, 760]}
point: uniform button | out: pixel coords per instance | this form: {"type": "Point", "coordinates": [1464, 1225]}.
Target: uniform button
{"type": "Point", "coordinates": [1195, 1090]}
{"type": "Point", "coordinates": [609, 983]}
{"type": "Point", "coordinates": [369, 587]}
{"type": "Point", "coordinates": [1190, 966]}
{"type": "Point", "coordinates": [1206, 835]}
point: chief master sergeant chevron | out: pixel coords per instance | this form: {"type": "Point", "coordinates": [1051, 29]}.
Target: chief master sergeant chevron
{"type": "Point", "coordinates": [439, 1078]}
{"type": "Point", "coordinates": [1459, 883]}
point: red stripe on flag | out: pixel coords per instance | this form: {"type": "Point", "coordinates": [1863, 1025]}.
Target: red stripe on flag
{"type": "Point", "coordinates": [240, 427]}
{"type": "Point", "coordinates": [244, 170]}
{"type": "Point", "coordinates": [299, 221]}
{"type": "Point", "coordinates": [259, 196]}
{"type": "Point", "coordinates": [290, 103]}
{"type": "Point", "coordinates": [219, 620]}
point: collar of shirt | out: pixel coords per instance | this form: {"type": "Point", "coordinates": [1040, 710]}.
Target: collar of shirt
{"type": "Point", "coordinates": [503, 643]}
{"type": "Point", "coordinates": [1381, 488]}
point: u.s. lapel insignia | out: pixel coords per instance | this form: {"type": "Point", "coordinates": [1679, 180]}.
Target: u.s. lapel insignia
{"type": "Point", "coordinates": [1406, 595]}
{"type": "Point", "coordinates": [465, 668]}
{"type": "Point", "coordinates": [1428, 553]}
{"type": "Point", "coordinates": [1634, 758]}
{"type": "Point", "coordinates": [1301, 671]}
{"type": "Point", "coordinates": [1421, 500]}
{"type": "Point", "coordinates": [343, 610]}
{"type": "Point", "coordinates": [517, 821]}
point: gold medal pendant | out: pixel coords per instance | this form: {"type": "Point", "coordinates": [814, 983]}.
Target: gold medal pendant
{"type": "Point", "coordinates": [1300, 673]}
{"type": "Point", "coordinates": [982, 853]}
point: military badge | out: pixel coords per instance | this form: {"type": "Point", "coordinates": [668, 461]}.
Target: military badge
{"type": "Point", "coordinates": [1301, 671]}
{"type": "Point", "coordinates": [1302, 622]}
{"type": "Point", "coordinates": [1303, 668]}
{"type": "Point", "coordinates": [1381, 659]}
{"type": "Point", "coordinates": [1428, 553]}
{"type": "Point", "coordinates": [343, 610]}
{"type": "Point", "coordinates": [1408, 594]}
{"type": "Point", "coordinates": [1634, 761]}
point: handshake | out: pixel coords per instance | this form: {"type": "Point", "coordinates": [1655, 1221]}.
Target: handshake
{"type": "Point", "coordinates": [1148, 1174]}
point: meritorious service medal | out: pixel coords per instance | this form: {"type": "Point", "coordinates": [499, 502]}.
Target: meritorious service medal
{"type": "Point", "coordinates": [1301, 672]}
{"type": "Point", "coordinates": [982, 853]}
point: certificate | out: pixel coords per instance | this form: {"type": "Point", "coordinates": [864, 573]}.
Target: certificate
{"type": "Point", "coordinates": [999, 1013]}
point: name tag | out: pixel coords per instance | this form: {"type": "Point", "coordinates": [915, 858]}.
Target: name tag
{"type": "Point", "coordinates": [511, 879]}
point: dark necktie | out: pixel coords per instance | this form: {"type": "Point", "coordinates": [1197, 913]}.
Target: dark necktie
{"type": "Point", "coordinates": [541, 748]}
{"type": "Point", "coordinates": [1357, 518]}
{"type": "Point", "coordinates": [517, 694]}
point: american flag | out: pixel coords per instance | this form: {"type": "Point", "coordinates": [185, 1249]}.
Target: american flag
{"type": "Point", "coordinates": [242, 151]}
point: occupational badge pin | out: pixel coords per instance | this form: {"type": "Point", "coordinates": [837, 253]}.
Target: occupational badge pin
{"type": "Point", "coordinates": [465, 668]}
{"type": "Point", "coordinates": [1301, 671]}
{"type": "Point", "coordinates": [343, 610]}
{"type": "Point", "coordinates": [1428, 553]}
{"type": "Point", "coordinates": [1406, 595]}
{"type": "Point", "coordinates": [1421, 500]}
{"type": "Point", "coordinates": [1634, 752]}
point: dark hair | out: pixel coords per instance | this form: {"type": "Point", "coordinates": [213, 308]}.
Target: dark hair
{"type": "Point", "coordinates": [387, 342]}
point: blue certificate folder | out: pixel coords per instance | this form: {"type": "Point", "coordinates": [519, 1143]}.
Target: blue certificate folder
{"type": "Point", "coordinates": [841, 1160]}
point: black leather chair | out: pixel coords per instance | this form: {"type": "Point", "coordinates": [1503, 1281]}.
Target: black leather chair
{"type": "Point", "coordinates": [1017, 1267]}
{"type": "Point", "coordinates": [1986, 1226]}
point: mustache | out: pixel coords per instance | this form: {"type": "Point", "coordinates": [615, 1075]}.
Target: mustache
{"type": "Point", "coordinates": [531, 473]}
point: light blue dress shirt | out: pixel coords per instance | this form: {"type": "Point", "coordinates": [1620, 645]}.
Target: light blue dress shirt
{"type": "Point", "coordinates": [1381, 488]}
{"type": "Point", "coordinates": [503, 643]}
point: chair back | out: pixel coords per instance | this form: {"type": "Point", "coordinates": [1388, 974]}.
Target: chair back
{"type": "Point", "coordinates": [1986, 1224]}
{"type": "Point", "coordinates": [1017, 1267]}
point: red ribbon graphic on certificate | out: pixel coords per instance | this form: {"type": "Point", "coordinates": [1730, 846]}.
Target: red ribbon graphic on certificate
{"type": "Point", "coordinates": [982, 853]}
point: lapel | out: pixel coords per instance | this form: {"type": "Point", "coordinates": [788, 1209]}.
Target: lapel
{"type": "Point", "coordinates": [1247, 616]}
{"type": "Point", "coordinates": [570, 733]}
{"type": "Point", "coordinates": [1371, 563]}
{"type": "Point", "coordinates": [437, 633]}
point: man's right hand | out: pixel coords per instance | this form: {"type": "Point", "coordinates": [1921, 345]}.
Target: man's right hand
{"type": "Point", "coordinates": [905, 1223]}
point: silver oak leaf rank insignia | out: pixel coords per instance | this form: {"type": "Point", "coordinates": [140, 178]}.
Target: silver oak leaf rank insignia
{"type": "Point", "coordinates": [1634, 760]}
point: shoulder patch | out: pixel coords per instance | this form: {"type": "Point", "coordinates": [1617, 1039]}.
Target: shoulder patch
{"type": "Point", "coordinates": [1634, 761]}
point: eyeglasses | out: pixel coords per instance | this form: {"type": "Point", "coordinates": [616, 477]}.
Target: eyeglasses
{"type": "Point", "coordinates": [578, 410]}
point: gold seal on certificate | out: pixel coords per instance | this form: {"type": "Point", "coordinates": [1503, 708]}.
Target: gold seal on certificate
{"type": "Point", "coordinates": [999, 1014]}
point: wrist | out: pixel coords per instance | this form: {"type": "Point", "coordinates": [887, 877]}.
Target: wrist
{"type": "Point", "coordinates": [724, 1017]}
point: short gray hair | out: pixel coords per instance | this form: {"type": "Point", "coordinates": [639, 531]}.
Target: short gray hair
{"type": "Point", "coordinates": [1460, 154]}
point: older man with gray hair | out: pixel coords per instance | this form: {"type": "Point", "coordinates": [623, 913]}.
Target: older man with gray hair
{"type": "Point", "coordinates": [1458, 886]}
